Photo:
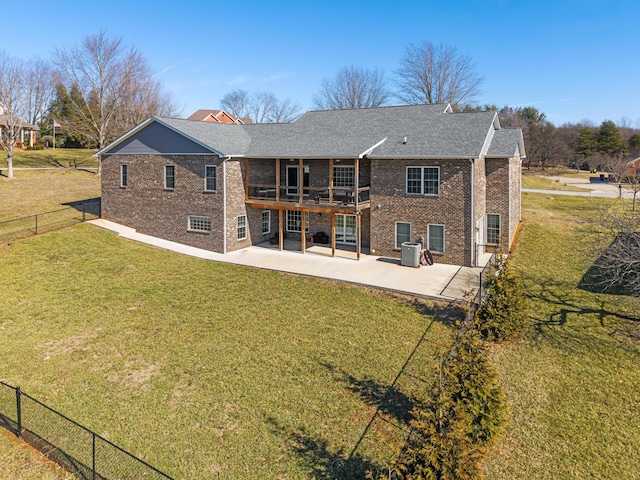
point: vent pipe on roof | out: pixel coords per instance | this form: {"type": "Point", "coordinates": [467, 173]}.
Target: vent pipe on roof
{"type": "Point", "coordinates": [404, 142]}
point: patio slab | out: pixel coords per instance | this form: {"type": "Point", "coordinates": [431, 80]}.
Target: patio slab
{"type": "Point", "coordinates": [438, 282]}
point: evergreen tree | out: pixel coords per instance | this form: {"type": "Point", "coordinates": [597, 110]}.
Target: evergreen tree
{"type": "Point", "coordinates": [610, 141]}
{"type": "Point", "coordinates": [460, 418]}
{"type": "Point", "coordinates": [504, 314]}
{"type": "Point", "coordinates": [587, 144]}
{"type": "Point", "coordinates": [634, 145]}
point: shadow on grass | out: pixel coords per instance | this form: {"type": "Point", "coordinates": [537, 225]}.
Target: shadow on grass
{"type": "Point", "coordinates": [616, 271]}
{"type": "Point", "coordinates": [570, 325]}
{"type": "Point", "coordinates": [315, 454]}
{"type": "Point", "coordinates": [386, 398]}
{"type": "Point", "coordinates": [89, 206]}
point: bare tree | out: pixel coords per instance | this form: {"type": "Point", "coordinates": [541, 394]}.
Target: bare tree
{"type": "Point", "coordinates": [260, 107]}
{"type": "Point", "coordinates": [432, 73]}
{"type": "Point", "coordinates": [237, 103]}
{"type": "Point", "coordinates": [285, 111]}
{"type": "Point", "coordinates": [14, 102]}
{"type": "Point", "coordinates": [616, 235]}
{"type": "Point", "coordinates": [353, 87]}
{"type": "Point", "coordinates": [40, 90]}
{"type": "Point", "coordinates": [111, 87]}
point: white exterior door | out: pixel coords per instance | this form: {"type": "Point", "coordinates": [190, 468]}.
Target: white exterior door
{"type": "Point", "coordinates": [345, 229]}
{"type": "Point", "coordinates": [480, 237]}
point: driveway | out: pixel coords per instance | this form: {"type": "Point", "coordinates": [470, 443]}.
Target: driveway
{"type": "Point", "coordinates": [450, 283]}
{"type": "Point", "coordinates": [597, 188]}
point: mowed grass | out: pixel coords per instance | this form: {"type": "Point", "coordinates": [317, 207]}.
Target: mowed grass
{"type": "Point", "coordinates": [574, 387]}
{"type": "Point", "coordinates": [541, 183]}
{"type": "Point", "coordinates": [203, 368]}
{"type": "Point", "coordinates": [52, 158]}
{"type": "Point", "coordinates": [18, 461]}
{"type": "Point", "coordinates": [37, 191]}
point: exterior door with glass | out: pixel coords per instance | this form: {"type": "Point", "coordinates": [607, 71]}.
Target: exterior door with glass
{"type": "Point", "coordinates": [345, 229]}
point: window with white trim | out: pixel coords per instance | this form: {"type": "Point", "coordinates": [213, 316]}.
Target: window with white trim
{"type": "Point", "coordinates": [123, 175]}
{"type": "Point", "coordinates": [493, 228]}
{"type": "Point", "coordinates": [242, 227]}
{"type": "Point", "coordinates": [344, 176]}
{"type": "Point", "coordinates": [169, 177]}
{"type": "Point", "coordinates": [403, 233]}
{"type": "Point", "coordinates": [436, 238]}
{"type": "Point", "coordinates": [199, 224]}
{"type": "Point", "coordinates": [210, 178]}
{"type": "Point", "coordinates": [266, 222]}
{"type": "Point", "coordinates": [423, 180]}
{"type": "Point", "coordinates": [294, 221]}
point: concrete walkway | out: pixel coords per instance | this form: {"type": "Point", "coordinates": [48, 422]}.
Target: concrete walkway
{"type": "Point", "coordinates": [437, 282]}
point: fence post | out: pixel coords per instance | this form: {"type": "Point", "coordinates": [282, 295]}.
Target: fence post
{"type": "Point", "coordinates": [83, 211]}
{"type": "Point", "coordinates": [93, 455]}
{"type": "Point", "coordinates": [19, 411]}
{"type": "Point", "coordinates": [36, 224]}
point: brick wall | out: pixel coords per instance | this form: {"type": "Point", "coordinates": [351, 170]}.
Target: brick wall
{"type": "Point", "coordinates": [503, 195]}
{"type": "Point", "coordinates": [151, 209]}
{"type": "Point", "coordinates": [452, 207]}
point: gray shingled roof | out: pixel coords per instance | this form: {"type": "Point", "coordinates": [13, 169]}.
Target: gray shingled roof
{"type": "Point", "coordinates": [428, 130]}
{"type": "Point", "coordinates": [226, 138]}
{"type": "Point", "coordinates": [505, 142]}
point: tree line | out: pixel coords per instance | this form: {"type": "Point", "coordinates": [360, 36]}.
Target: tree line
{"type": "Point", "coordinates": [101, 88]}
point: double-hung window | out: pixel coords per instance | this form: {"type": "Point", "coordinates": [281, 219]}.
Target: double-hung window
{"type": "Point", "coordinates": [266, 222]}
{"type": "Point", "coordinates": [210, 178]}
{"type": "Point", "coordinates": [403, 233]}
{"type": "Point", "coordinates": [423, 180]}
{"type": "Point", "coordinates": [123, 175]}
{"type": "Point", "coordinates": [169, 177]}
{"type": "Point", "coordinates": [199, 224]}
{"type": "Point", "coordinates": [294, 221]}
{"type": "Point", "coordinates": [436, 238]}
{"type": "Point", "coordinates": [242, 227]}
{"type": "Point", "coordinates": [493, 228]}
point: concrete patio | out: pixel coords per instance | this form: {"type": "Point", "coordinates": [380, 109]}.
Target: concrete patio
{"type": "Point", "coordinates": [438, 282]}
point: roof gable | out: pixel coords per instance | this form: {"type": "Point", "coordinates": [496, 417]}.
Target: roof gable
{"type": "Point", "coordinates": [156, 138]}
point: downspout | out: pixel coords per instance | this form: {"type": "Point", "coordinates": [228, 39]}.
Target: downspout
{"type": "Point", "coordinates": [224, 204]}
{"type": "Point", "coordinates": [473, 222]}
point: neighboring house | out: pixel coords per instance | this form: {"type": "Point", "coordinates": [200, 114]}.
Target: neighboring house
{"type": "Point", "coordinates": [218, 116]}
{"type": "Point", "coordinates": [26, 131]}
{"type": "Point", "coordinates": [633, 167]}
{"type": "Point", "coordinates": [368, 178]}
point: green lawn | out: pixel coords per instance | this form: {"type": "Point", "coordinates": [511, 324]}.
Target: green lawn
{"type": "Point", "coordinates": [37, 191]}
{"type": "Point", "coordinates": [52, 158]}
{"type": "Point", "coordinates": [574, 387]}
{"type": "Point", "coordinates": [203, 368]}
{"type": "Point", "coordinates": [18, 461]}
{"type": "Point", "coordinates": [541, 183]}
{"type": "Point", "coordinates": [200, 367]}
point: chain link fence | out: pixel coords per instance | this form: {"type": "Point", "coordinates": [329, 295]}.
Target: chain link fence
{"type": "Point", "coordinates": [80, 451]}
{"type": "Point", "coordinates": [75, 212]}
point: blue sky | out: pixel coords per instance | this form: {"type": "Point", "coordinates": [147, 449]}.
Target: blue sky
{"type": "Point", "coordinates": [572, 59]}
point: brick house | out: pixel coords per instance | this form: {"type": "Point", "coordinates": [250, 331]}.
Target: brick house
{"type": "Point", "coordinates": [217, 116]}
{"type": "Point", "coordinates": [370, 179]}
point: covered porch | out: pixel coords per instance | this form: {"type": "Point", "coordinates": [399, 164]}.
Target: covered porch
{"type": "Point", "coordinates": [334, 193]}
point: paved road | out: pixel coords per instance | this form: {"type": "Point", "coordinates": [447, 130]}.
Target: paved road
{"type": "Point", "coordinates": [597, 189]}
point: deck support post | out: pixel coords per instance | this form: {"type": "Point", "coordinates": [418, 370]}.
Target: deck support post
{"type": "Point", "coordinates": [333, 234]}
{"type": "Point", "coordinates": [280, 232]}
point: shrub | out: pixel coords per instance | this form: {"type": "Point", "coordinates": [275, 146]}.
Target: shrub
{"type": "Point", "coordinates": [504, 313]}
{"type": "Point", "coordinates": [460, 418]}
